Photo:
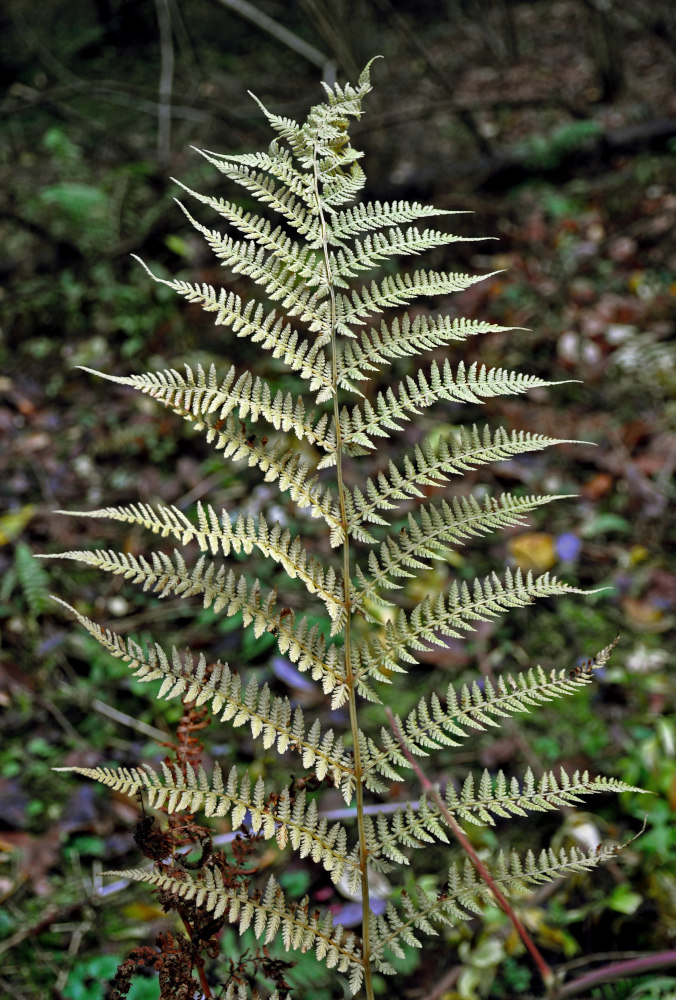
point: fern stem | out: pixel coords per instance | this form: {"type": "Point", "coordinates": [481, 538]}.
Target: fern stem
{"type": "Point", "coordinates": [206, 989]}
{"type": "Point", "coordinates": [349, 671]}
{"type": "Point", "coordinates": [506, 907]}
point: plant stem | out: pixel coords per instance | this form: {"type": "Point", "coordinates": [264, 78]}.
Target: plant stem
{"type": "Point", "coordinates": [617, 970]}
{"type": "Point", "coordinates": [206, 990]}
{"type": "Point", "coordinates": [542, 967]}
{"type": "Point", "coordinates": [347, 597]}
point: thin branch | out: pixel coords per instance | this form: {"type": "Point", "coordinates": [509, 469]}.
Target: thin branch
{"type": "Point", "coordinates": [616, 971]}
{"type": "Point", "coordinates": [128, 720]}
{"type": "Point", "coordinates": [282, 34]}
{"type": "Point", "coordinates": [463, 114]}
{"type": "Point", "coordinates": [166, 81]}
{"type": "Point", "coordinates": [542, 967]}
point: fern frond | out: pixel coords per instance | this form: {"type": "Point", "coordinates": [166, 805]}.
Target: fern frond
{"type": "Point", "coordinates": [218, 586]}
{"type": "Point", "coordinates": [250, 319]}
{"type": "Point", "coordinates": [276, 161]}
{"type": "Point", "coordinates": [278, 195]}
{"type": "Point", "coordinates": [281, 465]}
{"type": "Point", "coordinates": [475, 708]}
{"type": "Point", "coordinates": [223, 590]}
{"type": "Point", "coordinates": [286, 127]}
{"type": "Point", "coordinates": [267, 914]}
{"type": "Point", "coordinates": [495, 797]}
{"type": "Point", "coordinates": [339, 189]}
{"type": "Point", "coordinates": [314, 261]}
{"type": "Point", "coordinates": [504, 797]}
{"type": "Point", "coordinates": [269, 717]}
{"type": "Point", "coordinates": [281, 339]}
{"type": "Point", "coordinates": [403, 338]}
{"type": "Point", "coordinates": [199, 394]}
{"type": "Point", "coordinates": [454, 455]}
{"type": "Point", "coordinates": [247, 319]}
{"type": "Point", "coordinates": [282, 276]}
{"type": "Point", "coordinates": [292, 286]}
{"type": "Point", "coordinates": [288, 819]}
{"type": "Point", "coordinates": [436, 618]}
{"type": "Point", "coordinates": [466, 894]}
{"type": "Point", "coordinates": [214, 533]}
{"type": "Point", "coordinates": [277, 462]}
{"type": "Point", "coordinates": [346, 100]}
{"type": "Point", "coordinates": [254, 227]}
{"type": "Point", "coordinates": [294, 257]}
{"type": "Point", "coordinates": [414, 394]}
{"type": "Point", "coordinates": [432, 531]}
{"type": "Point", "coordinates": [367, 254]}
{"type": "Point", "coordinates": [398, 290]}
{"type": "Point", "coordinates": [371, 215]}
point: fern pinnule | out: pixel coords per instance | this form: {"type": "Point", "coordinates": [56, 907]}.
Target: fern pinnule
{"type": "Point", "coordinates": [312, 259]}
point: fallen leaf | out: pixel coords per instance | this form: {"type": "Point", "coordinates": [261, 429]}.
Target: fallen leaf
{"type": "Point", "coordinates": [598, 486]}
{"type": "Point", "coordinates": [534, 550]}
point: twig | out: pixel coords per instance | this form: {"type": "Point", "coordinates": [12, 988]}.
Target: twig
{"type": "Point", "coordinates": [600, 956]}
{"type": "Point", "coordinates": [542, 967]}
{"type": "Point", "coordinates": [463, 114]}
{"type": "Point", "coordinates": [446, 983]}
{"type": "Point", "coordinates": [128, 720]}
{"type": "Point", "coordinates": [618, 970]}
{"type": "Point", "coordinates": [166, 81]}
{"type": "Point", "coordinates": [282, 34]}
{"type": "Point", "coordinates": [44, 923]}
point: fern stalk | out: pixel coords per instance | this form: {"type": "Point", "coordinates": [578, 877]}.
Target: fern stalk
{"type": "Point", "coordinates": [458, 832]}
{"type": "Point", "coordinates": [347, 630]}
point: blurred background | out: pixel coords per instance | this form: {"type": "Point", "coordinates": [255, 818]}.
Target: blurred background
{"type": "Point", "coordinates": [553, 126]}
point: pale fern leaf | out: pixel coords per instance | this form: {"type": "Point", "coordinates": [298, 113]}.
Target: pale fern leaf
{"type": "Point", "coordinates": [270, 718]}
{"type": "Point", "coordinates": [369, 253]}
{"type": "Point", "coordinates": [289, 819]}
{"type": "Point", "coordinates": [433, 530]}
{"type": "Point", "coordinates": [475, 708]}
{"type": "Point", "coordinates": [432, 466]}
{"type": "Point", "coordinates": [499, 797]}
{"type": "Point", "coordinates": [216, 533]}
{"type": "Point", "coordinates": [466, 894]}
{"type": "Point", "coordinates": [450, 615]}
{"type": "Point", "coordinates": [410, 397]}
{"type": "Point", "coordinates": [223, 590]}
{"type": "Point", "coordinates": [199, 394]}
{"type": "Point", "coordinates": [300, 928]}
{"type": "Point", "coordinates": [399, 290]}
{"type": "Point", "coordinates": [277, 195]}
{"type": "Point", "coordinates": [402, 338]}
{"type": "Point", "coordinates": [372, 215]}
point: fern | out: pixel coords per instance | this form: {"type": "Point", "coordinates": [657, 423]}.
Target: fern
{"type": "Point", "coordinates": [315, 264]}
{"type": "Point", "coordinates": [32, 579]}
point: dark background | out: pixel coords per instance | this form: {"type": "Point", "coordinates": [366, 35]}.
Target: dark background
{"type": "Point", "coordinates": [554, 124]}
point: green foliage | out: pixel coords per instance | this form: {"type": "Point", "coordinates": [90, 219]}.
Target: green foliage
{"type": "Point", "coordinates": [32, 579]}
{"type": "Point", "coordinates": [545, 152]}
{"type": "Point", "coordinates": [88, 980]}
{"type": "Point", "coordinates": [315, 275]}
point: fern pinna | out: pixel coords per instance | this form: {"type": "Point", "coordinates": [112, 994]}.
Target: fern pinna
{"type": "Point", "coordinates": [314, 262]}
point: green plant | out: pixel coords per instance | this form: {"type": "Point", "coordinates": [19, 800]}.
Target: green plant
{"type": "Point", "coordinates": [311, 265]}
{"type": "Point", "coordinates": [546, 152]}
